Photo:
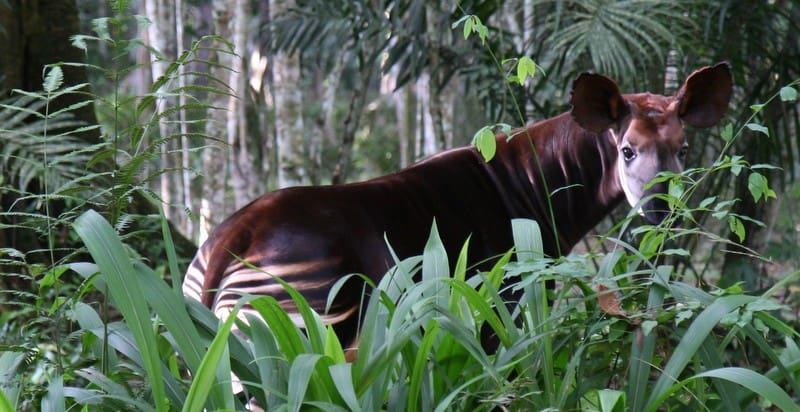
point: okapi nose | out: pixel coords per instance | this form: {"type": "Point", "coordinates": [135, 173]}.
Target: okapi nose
{"type": "Point", "coordinates": [655, 214]}
{"type": "Point", "coordinates": [656, 209]}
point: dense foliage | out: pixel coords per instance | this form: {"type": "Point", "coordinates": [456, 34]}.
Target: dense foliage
{"type": "Point", "coordinates": [103, 326]}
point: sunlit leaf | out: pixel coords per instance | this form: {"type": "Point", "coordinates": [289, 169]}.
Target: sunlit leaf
{"type": "Point", "coordinates": [485, 142]}
{"type": "Point", "coordinates": [53, 80]}
{"type": "Point", "coordinates": [788, 94]}
{"type": "Point", "coordinates": [758, 128]}
{"type": "Point", "coordinates": [525, 68]}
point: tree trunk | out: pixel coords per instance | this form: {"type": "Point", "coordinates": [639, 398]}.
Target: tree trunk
{"type": "Point", "coordinates": [403, 100]}
{"type": "Point", "coordinates": [241, 163]}
{"type": "Point", "coordinates": [36, 33]}
{"type": "Point", "coordinates": [288, 113]}
{"type": "Point", "coordinates": [213, 205]}
{"type": "Point", "coordinates": [428, 142]}
{"type": "Point", "coordinates": [162, 38]}
{"type": "Point", "coordinates": [186, 224]}
{"type": "Point", "coordinates": [351, 123]}
{"type": "Point", "coordinates": [289, 120]}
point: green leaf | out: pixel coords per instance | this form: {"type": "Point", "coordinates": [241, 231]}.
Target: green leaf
{"type": "Point", "coordinates": [755, 382]}
{"type": "Point", "coordinates": [53, 400]}
{"type": "Point", "coordinates": [299, 378]}
{"type": "Point", "coordinates": [788, 94]}
{"type": "Point", "coordinates": [648, 326]}
{"type": "Point", "coordinates": [736, 226]}
{"type": "Point", "coordinates": [758, 128]}
{"type": "Point", "coordinates": [285, 331]}
{"type": "Point", "coordinates": [707, 202]}
{"type": "Point", "coordinates": [482, 309]}
{"type": "Point", "coordinates": [459, 21]}
{"type": "Point", "coordinates": [5, 404]}
{"type": "Point", "coordinates": [759, 187]}
{"type": "Point", "coordinates": [482, 30]}
{"type": "Point", "coordinates": [203, 380]}
{"type": "Point", "coordinates": [609, 399]}
{"type": "Point", "coordinates": [756, 107]}
{"type": "Point", "coordinates": [468, 25]}
{"type": "Point", "coordinates": [485, 142]}
{"type": "Point", "coordinates": [682, 316]}
{"type": "Point", "coordinates": [269, 360]}
{"type": "Point", "coordinates": [525, 67]}
{"type": "Point", "coordinates": [472, 24]}
{"type": "Point", "coordinates": [676, 252]}
{"type": "Point", "coordinates": [342, 375]}
{"type": "Point", "coordinates": [727, 133]}
{"type": "Point", "coordinates": [418, 373]}
{"type": "Point", "coordinates": [333, 348]}
{"type": "Point", "coordinates": [124, 285]}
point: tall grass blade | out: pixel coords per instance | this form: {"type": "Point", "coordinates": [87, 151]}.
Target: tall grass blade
{"type": "Point", "coordinates": [528, 242]}
{"type": "Point", "coordinates": [315, 330]}
{"type": "Point", "coordinates": [124, 285]}
{"type": "Point", "coordinates": [270, 362]}
{"type": "Point", "coordinates": [435, 265]}
{"type": "Point", "coordinates": [482, 308]}
{"type": "Point", "coordinates": [172, 311]}
{"type": "Point", "coordinates": [708, 357]}
{"type": "Point", "coordinates": [203, 380]}
{"type": "Point", "coordinates": [753, 381]}
{"type": "Point", "coordinates": [342, 375]}
{"type": "Point", "coordinates": [642, 353]}
{"type": "Point", "coordinates": [691, 341]}
{"type": "Point", "coordinates": [53, 400]}
{"type": "Point", "coordinates": [527, 239]}
{"type": "Point", "coordinates": [420, 369]}
{"type": "Point", "coordinates": [299, 379]}
{"type": "Point", "coordinates": [287, 335]}
{"type": "Point", "coordinates": [5, 403]}
{"type": "Point", "coordinates": [9, 362]}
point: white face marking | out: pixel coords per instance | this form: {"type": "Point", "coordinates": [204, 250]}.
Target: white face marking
{"type": "Point", "coordinates": [623, 177]}
{"type": "Point", "coordinates": [623, 180]}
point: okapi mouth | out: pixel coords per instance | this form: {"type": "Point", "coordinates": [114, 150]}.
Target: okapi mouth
{"type": "Point", "coordinates": [656, 211]}
{"type": "Point", "coordinates": [656, 208]}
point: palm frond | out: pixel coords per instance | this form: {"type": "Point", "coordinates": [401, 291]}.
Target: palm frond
{"type": "Point", "coordinates": [33, 148]}
{"type": "Point", "coordinates": [619, 38]}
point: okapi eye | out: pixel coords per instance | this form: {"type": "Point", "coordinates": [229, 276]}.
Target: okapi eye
{"type": "Point", "coordinates": [628, 153]}
{"type": "Point", "coordinates": [683, 152]}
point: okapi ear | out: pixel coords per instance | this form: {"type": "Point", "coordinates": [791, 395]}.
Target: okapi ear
{"type": "Point", "coordinates": [596, 102]}
{"type": "Point", "coordinates": [703, 98]}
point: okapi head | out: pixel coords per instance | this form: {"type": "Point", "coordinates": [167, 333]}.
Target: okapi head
{"type": "Point", "coordinates": [648, 128]}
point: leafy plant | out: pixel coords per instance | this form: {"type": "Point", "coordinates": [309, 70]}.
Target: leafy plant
{"type": "Point", "coordinates": [53, 175]}
{"type": "Point", "coordinates": [421, 343]}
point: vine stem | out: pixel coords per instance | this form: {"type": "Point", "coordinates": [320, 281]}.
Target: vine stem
{"type": "Point", "coordinates": [48, 96]}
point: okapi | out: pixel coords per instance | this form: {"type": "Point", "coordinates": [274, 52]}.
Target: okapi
{"type": "Point", "coordinates": [608, 147]}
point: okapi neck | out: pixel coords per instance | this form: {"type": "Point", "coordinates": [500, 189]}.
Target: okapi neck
{"type": "Point", "coordinates": [570, 175]}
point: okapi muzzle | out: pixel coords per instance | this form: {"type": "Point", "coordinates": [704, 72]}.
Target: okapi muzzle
{"type": "Point", "coordinates": [581, 164]}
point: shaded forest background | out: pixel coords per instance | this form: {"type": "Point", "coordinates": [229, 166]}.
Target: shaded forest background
{"type": "Point", "coordinates": [321, 92]}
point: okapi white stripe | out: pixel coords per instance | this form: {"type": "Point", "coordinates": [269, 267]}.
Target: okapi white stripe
{"type": "Point", "coordinates": [223, 309]}
{"type": "Point", "coordinates": [193, 280]}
